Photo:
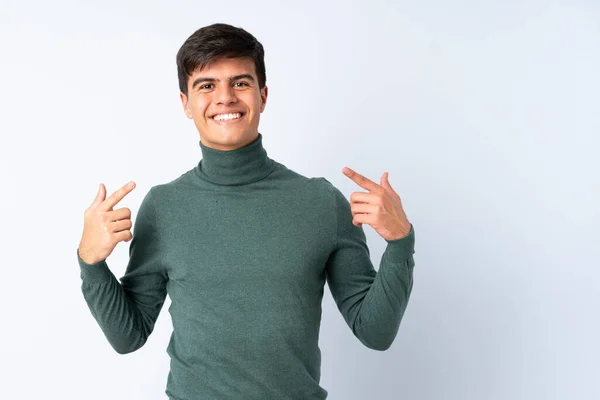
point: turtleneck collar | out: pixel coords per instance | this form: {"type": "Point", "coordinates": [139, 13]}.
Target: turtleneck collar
{"type": "Point", "coordinates": [247, 164]}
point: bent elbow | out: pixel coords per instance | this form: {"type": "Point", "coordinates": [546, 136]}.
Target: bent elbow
{"type": "Point", "coordinates": [376, 337]}
{"type": "Point", "coordinates": [125, 350]}
{"type": "Point", "coordinates": [128, 346]}
{"type": "Point", "coordinates": [379, 344]}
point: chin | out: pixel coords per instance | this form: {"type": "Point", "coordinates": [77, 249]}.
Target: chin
{"type": "Point", "coordinates": [229, 139]}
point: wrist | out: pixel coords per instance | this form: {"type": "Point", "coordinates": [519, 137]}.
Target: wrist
{"type": "Point", "coordinates": [87, 258]}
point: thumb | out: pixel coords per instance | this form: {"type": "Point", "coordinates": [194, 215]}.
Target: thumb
{"type": "Point", "coordinates": [100, 196]}
{"type": "Point", "coordinates": [385, 183]}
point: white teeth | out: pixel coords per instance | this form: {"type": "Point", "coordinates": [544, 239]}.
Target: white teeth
{"type": "Point", "coordinates": [227, 117]}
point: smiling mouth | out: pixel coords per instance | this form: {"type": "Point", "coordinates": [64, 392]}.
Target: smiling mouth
{"type": "Point", "coordinates": [228, 117]}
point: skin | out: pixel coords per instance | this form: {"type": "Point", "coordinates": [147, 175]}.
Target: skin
{"type": "Point", "coordinates": [103, 227]}
{"type": "Point", "coordinates": [225, 85]}
{"type": "Point", "coordinates": [380, 207]}
{"type": "Point", "coordinates": [230, 85]}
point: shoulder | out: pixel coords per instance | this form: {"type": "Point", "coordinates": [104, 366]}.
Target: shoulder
{"type": "Point", "coordinates": [316, 189]}
{"type": "Point", "coordinates": [328, 193]}
{"type": "Point", "coordinates": [296, 179]}
{"type": "Point", "coordinates": [325, 185]}
{"type": "Point", "coordinates": [165, 190]}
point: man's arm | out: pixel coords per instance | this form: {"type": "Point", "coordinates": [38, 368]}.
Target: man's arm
{"type": "Point", "coordinates": [127, 311]}
{"type": "Point", "coordinates": [372, 303]}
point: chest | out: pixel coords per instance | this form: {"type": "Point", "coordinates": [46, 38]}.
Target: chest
{"type": "Point", "coordinates": [235, 240]}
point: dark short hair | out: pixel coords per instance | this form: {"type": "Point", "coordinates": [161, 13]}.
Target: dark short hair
{"type": "Point", "coordinates": [216, 41]}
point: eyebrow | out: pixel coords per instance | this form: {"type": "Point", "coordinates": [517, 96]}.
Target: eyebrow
{"type": "Point", "coordinates": [201, 79]}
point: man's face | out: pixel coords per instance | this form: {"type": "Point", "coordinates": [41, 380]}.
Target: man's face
{"type": "Point", "coordinates": [225, 102]}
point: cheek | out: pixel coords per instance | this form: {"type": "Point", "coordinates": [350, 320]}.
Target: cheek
{"type": "Point", "coordinates": [199, 106]}
{"type": "Point", "coordinates": [258, 106]}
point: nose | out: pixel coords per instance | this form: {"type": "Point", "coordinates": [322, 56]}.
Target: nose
{"type": "Point", "coordinates": [225, 94]}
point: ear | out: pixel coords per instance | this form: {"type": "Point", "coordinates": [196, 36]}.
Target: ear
{"type": "Point", "coordinates": [264, 92]}
{"type": "Point", "coordinates": [184, 102]}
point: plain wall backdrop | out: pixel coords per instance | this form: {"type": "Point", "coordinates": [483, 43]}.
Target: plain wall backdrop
{"type": "Point", "coordinates": [485, 114]}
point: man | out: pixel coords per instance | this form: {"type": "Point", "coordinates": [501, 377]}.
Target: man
{"type": "Point", "coordinates": [243, 246]}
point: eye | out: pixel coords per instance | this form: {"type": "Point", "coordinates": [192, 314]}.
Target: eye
{"type": "Point", "coordinates": [205, 87]}
{"type": "Point", "coordinates": [241, 84]}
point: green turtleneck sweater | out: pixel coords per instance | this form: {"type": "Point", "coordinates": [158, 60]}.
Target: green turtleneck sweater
{"type": "Point", "coordinates": [243, 247]}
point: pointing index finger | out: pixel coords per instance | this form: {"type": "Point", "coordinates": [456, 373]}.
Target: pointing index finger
{"type": "Point", "coordinates": [117, 196]}
{"type": "Point", "coordinates": [361, 181]}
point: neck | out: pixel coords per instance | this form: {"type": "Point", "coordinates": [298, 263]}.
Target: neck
{"type": "Point", "coordinates": [243, 165]}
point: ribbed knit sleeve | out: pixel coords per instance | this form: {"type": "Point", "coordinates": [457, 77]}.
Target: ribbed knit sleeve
{"type": "Point", "coordinates": [372, 302]}
{"type": "Point", "coordinates": [127, 310]}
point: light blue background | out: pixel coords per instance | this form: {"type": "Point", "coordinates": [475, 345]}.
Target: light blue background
{"type": "Point", "coordinates": [485, 114]}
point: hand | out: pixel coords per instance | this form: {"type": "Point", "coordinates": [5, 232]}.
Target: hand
{"type": "Point", "coordinates": [103, 228]}
{"type": "Point", "coordinates": [381, 207]}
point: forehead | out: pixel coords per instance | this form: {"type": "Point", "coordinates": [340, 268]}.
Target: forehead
{"type": "Point", "coordinates": [226, 67]}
